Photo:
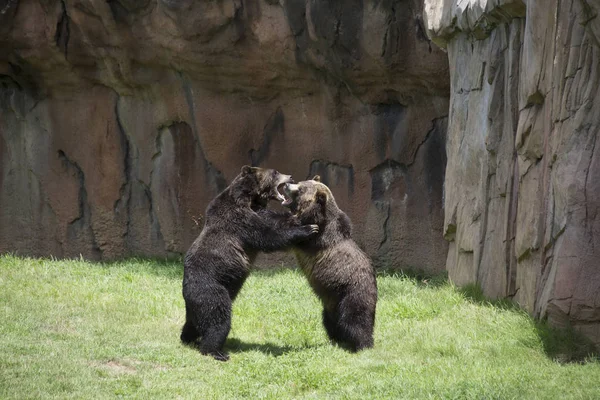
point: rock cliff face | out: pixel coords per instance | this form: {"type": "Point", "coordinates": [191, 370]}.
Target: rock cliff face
{"type": "Point", "coordinates": [120, 120]}
{"type": "Point", "coordinates": [523, 174]}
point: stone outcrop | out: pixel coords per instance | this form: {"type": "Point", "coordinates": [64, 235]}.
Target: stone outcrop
{"type": "Point", "coordinates": [522, 179]}
{"type": "Point", "coordinates": [120, 120]}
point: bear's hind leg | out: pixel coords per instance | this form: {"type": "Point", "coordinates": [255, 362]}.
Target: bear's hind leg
{"type": "Point", "coordinates": [213, 341]}
{"type": "Point", "coordinates": [356, 335]}
{"type": "Point", "coordinates": [355, 325]}
{"type": "Point", "coordinates": [219, 324]}
{"type": "Point", "coordinates": [330, 322]}
{"type": "Point", "coordinates": [188, 333]}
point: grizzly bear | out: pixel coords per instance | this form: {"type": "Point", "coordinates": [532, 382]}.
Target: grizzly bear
{"type": "Point", "coordinates": [218, 262]}
{"type": "Point", "coordinates": [340, 274]}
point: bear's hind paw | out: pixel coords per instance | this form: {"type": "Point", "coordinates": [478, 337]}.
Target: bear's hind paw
{"type": "Point", "coordinates": [219, 356]}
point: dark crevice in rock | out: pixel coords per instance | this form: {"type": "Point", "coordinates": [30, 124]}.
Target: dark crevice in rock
{"type": "Point", "coordinates": [388, 213]}
{"type": "Point", "coordinates": [483, 228]}
{"type": "Point", "coordinates": [481, 77]}
{"type": "Point", "coordinates": [275, 126]}
{"type": "Point", "coordinates": [391, 41]}
{"type": "Point", "coordinates": [157, 235]}
{"type": "Point", "coordinates": [513, 294]}
{"type": "Point", "coordinates": [213, 176]}
{"type": "Point", "coordinates": [384, 45]}
{"type": "Point", "coordinates": [420, 27]}
{"type": "Point", "coordinates": [81, 223]}
{"type": "Point", "coordinates": [510, 257]}
{"type": "Point", "coordinates": [538, 98]}
{"type": "Point", "coordinates": [554, 235]}
{"type": "Point", "coordinates": [239, 21]}
{"type": "Point", "coordinates": [421, 32]}
{"type": "Point", "coordinates": [61, 37]}
{"type": "Point", "coordinates": [436, 152]}
{"type": "Point", "coordinates": [125, 190]}
{"type": "Point", "coordinates": [333, 174]}
{"type": "Point", "coordinates": [543, 279]}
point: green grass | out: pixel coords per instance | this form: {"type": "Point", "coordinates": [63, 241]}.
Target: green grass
{"type": "Point", "coordinates": [73, 329]}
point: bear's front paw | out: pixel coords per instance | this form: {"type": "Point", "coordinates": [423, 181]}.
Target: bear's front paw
{"type": "Point", "coordinates": [306, 232]}
{"type": "Point", "coordinates": [220, 356]}
{"type": "Point", "coordinates": [312, 229]}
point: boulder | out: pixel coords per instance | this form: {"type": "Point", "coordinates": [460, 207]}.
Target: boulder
{"type": "Point", "coordinates": [522, 185]}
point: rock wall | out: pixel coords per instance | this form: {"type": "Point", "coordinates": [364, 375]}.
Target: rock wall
{"type": "Point", "coordinates": [523, 173]}
{"type": "Point", "coordinates": [120, 120]}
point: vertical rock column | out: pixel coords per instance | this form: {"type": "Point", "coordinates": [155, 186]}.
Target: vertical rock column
{"type": "Point", "coordinates": [522, 188]}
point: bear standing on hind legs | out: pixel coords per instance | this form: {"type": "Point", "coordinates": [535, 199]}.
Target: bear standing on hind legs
{"type": "Point", "coordinates": [340, 274]}
{"type": "Point", "coordinates": [218, 262]}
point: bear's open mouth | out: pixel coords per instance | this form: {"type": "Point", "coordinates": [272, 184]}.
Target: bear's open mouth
{"type": "Point", "coordinates": [278, 193]}
{"type": "Point", "coordinates": [281, 193]}
{"type": "Point", "coordinates": [286, 201]}
{"type": "Point", "coordinates": [289, 194]}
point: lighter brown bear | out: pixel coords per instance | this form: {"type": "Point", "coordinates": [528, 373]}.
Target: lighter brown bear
{"type": "Point", "coordinates": [338, 271]}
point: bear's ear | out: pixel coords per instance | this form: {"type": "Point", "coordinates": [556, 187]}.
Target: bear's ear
{"type": "Point", "coordinates": [321, 197]}
{"type": "Point", "coordinates": [317, 178]}
{"type": "Point", "coordinates": [246, 169]}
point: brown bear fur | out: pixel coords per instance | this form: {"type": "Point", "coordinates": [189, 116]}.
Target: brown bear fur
{"type": "Point", "coordinates": [338, 271]}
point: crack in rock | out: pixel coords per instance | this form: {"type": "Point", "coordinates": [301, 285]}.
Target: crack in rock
{"type": "Point", "coordinates": [62, 34]}
{"type": "Point", "coordinates": [83, 220]}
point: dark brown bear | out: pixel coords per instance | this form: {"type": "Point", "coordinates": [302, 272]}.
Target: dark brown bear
{"type": "Point", "coordinates": [218, 262]}
{"type": "Point", "coordinates": [340, 274]}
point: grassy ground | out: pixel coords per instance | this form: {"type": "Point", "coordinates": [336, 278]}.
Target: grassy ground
{"type": "Point", "coordinates": [72, 329]}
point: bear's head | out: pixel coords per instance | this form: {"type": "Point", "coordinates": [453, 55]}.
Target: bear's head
{"type": "Point", "coordinates": [309, 200]}
{"type": "Point", "coordinates": [259, 185]}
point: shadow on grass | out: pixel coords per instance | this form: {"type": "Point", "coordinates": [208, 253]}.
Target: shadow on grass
{"type": "Point", "coordinates": [563, 345]}
{"type": "Point", "coordinates": [233, 345]}
{"type": "Point", "coordinates": [237, 346]}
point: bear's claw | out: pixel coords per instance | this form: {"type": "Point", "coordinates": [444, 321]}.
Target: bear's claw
{"type": "Point", "coordinates": [219, 355]}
